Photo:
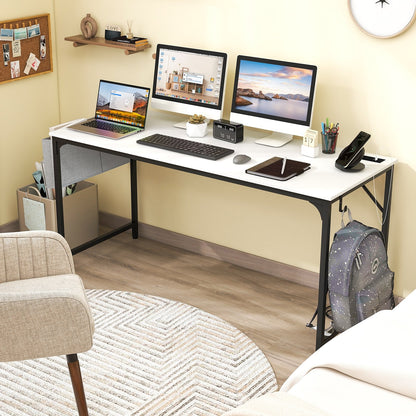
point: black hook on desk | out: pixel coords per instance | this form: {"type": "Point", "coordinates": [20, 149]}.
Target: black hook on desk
{"type": "Point", "coordinates": [340, 208]}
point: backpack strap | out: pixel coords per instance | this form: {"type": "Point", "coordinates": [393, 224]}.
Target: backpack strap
{"type": "Point", "coordinates": [346, 209]}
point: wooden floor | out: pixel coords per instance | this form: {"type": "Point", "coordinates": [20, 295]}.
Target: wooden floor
{"type": "Point", "coordinates": [271, 311]}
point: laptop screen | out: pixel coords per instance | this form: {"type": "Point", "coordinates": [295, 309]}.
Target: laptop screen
{"type": "Point", "coordinates": [122, 103]}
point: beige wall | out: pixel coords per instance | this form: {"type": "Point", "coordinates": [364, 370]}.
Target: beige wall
{"type": "Point", "coordinates": [363, 82]}
{"type": "Point", "coordinates": [27, 108]}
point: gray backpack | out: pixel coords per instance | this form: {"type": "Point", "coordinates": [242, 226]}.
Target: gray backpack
{"type": "Point", "coordinates": [360, 282]}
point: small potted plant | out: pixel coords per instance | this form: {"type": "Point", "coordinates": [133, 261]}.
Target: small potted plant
{"type": "Point", "coordinates": [196, 126]}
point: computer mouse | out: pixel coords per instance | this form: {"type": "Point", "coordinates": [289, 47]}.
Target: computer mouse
{"type": "Point", "coordinates": [240, 159]}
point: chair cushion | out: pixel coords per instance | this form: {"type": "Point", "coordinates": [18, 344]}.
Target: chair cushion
{"type": "Point", "coordinates": [43, 317]}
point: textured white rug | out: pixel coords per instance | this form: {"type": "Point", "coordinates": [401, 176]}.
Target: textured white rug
{"type": "Point", "coordinates": [151, 356]}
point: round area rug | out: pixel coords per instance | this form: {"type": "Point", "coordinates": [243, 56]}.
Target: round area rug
{"type": "Point", "coordinates": [151, 356]}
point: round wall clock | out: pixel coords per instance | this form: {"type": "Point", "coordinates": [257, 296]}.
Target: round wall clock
{"type": "Point", "coordinates": [383, 18]}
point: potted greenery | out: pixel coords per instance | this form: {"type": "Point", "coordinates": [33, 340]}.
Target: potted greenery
{"type": "Point", "coordinates": [196, 126]}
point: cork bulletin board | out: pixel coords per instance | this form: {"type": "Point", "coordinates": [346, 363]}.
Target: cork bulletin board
{"type": "Point", "coordinates": [25, 47]}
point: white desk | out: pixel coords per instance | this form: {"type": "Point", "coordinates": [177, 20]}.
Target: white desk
{"type": "Point", "coordinates": [322, 185]}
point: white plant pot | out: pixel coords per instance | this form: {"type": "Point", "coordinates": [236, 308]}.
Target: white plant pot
{"type": "Point", "coordinates": [196, 130]}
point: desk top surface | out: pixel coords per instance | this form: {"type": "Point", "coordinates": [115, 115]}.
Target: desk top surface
{"type": "Point", "coordinates": [322, 181]}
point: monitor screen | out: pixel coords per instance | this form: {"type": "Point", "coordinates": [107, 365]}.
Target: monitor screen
{"type": "Point", "coordinates": [189, 81]}
{"type": "Point", "coordinates": [122, 103]}
{"type": "Point", "coordinates": [273, 95]}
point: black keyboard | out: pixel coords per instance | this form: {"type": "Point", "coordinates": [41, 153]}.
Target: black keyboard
{"type": "Point", "coordinates": [188, 147]}
{"type": "Point", "coordinates": [102, 125]}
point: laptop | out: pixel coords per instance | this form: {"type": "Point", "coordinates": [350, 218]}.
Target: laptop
{"type": "Point", "coordinates": [120, 111]}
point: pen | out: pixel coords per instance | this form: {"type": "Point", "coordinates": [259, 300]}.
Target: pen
{"type": "Point", "coordinates": [324, 137]}
{"type": "Point", "coordinates": [283, 166]}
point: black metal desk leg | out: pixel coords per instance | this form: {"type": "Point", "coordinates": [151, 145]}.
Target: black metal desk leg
{"type": "Point", "coordinates": [388, 190]}
{"type": "Point", "coordinates": [134, 204]}
{"type": "Point", "coordinates": [56, 149]}
{"type": "Point", "coordinates": [325, 211]}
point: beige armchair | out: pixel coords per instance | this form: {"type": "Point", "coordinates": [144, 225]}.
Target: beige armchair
{"type": "Point", "coordinates": [43, 308]}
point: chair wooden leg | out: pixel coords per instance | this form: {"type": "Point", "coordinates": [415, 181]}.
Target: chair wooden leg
{"type": "Point", "coordinates": [76, 379]}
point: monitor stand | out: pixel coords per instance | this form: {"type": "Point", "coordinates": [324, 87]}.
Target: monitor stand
{"type": "Point", "coordinates": [275, 139]}
{"type": "Point", "coordinates": [182, 124]}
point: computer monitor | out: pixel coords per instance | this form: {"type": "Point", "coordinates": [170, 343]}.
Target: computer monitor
{"type": "Point", "coordinates": [189, 81]}
{"type": "Point", "coordinates": [273, 95]}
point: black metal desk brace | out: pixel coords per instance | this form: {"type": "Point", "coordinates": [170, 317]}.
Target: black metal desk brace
{"type": "Point", "coordinates": [323, 206]}
{"type": "Point", "coordinates": [386, 201]}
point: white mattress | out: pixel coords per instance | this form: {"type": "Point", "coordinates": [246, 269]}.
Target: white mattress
{"type": "Point", "coordinates": [369, 370]}
{"type": "Point", "coordinates": [379, 351]}
{"type": "Point", "coordinates": [341, 395]}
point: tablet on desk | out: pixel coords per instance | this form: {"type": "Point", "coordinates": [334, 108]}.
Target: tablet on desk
{"type": "Point", "coordinates": [279, 168]}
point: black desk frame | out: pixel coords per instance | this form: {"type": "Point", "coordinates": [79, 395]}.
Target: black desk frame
{"type": "Point", "coordinates": [323, 206]}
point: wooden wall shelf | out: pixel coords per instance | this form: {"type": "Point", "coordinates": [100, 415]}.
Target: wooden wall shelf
{"type": "Point", "coordinates": [129, 49]}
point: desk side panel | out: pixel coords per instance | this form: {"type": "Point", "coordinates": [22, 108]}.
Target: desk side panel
{"type": "Point", "coordinates": [77, 163]}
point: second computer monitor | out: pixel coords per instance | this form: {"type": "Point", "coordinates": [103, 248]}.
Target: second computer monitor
{"type": "Point", "coordinates": [189, 81]}
{"type": "Point", "coordinates": [273, 95]}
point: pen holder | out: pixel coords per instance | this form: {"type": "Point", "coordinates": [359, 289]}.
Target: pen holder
{"type": "Point", "coordinates": [329, 142]}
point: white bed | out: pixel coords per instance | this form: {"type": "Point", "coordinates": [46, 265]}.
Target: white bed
{"type": "Point", "coordinates": [368, 370]}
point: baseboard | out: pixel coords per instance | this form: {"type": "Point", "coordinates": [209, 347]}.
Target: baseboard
{"type": "Point", "coordinates": [9, 227]}
{"type": "Point", "coordinates": [205, 248]}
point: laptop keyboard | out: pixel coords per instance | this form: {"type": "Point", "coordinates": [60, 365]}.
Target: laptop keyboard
{"type": "Point", "coordinates": [102, 125]}
{"type": "Point", "coordinates": [187, 147]}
